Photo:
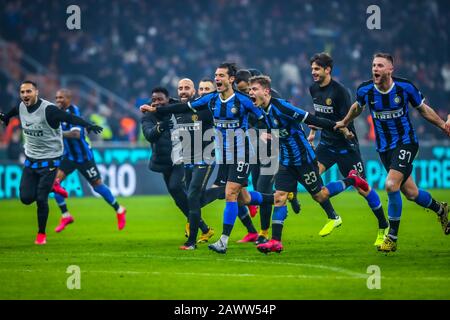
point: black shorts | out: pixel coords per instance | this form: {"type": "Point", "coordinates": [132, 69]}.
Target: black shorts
{"type": "Point", "coordinates": [401, 159]}
{"type": "Point", "coordinates": [238, 172]}
{"type": "Point", "coordinates": [222, 175]}
{"type": "Point", "coordinates": [346, 160]}
{"type": "Point", "coordinates": [307, 174]}
{"type": "Point", "coordinates": [88, 169]}
{"type": "Point", "coordinates": [37, 182]}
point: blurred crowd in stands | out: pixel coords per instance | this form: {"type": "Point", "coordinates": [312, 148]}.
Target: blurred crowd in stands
{"type": "Point", "coordinates": [128, 47]}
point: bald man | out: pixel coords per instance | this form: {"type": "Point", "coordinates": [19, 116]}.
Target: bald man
{"type": "Point", "coordinates": [78, 156]}
{"type": "Point", "coordinates": [192, 125]}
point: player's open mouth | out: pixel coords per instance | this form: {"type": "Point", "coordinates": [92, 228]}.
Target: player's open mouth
{"type": "Point", "coordinates": [376, 76]}
{"type": "Point", "coordinates": [253, 99]}
{"type": "Point", "coordinates": [219, 85]}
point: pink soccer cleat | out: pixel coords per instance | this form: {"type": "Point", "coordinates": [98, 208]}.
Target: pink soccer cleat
{"type": "Point", "coordinates": [57, 188]}
{"type": "Point", "coordinates": [249, 237]}
{"type": "Point", "coordinates": [64, 222]}
{"type": "Point", "coordinates": [359, 181]}
{"type": "Point", "coordinates": [41, 239]}
{"type": "Point", "coordinates": [270, 246]}
{"type": "Point", "coordinates": [121, 221]}
{"type": "Point", "coordinates": [253, 210]}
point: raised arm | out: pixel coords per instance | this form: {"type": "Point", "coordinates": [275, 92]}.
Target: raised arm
{"type": "Point", "coordinates": [55, 116]}
{"type": "Point", "coordinates": [355, 110]}
{"type": "Point", "coordinates": [5, 117]}
{"type": "Point", "coordinates": [431, 116]}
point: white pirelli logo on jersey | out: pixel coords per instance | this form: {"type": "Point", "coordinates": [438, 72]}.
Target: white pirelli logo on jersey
{"type": "Point", "coordinates": [227, 124]}
{"type": "Point", "coordinates": [323, 109]}
{"type": "Point", "coordinates": [386, 115]}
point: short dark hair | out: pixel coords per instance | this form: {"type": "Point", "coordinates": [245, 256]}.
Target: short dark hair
{"type": "Point", "coordinates": [162, 90]}
{"type": "Point", "coordinates": [264, 81]}
{"type": "Point", "coordinates": [207, 80]}
{"type": "Point", "coordinates": [242, 75]}
{"type": "Point", "coordinates": [30, 82]}
{"type": "Point", "coordinates": [254, 72]}
{"type": "Point", "coordinates": [323, 60]}
{"type": "Point", "coordinates": [384, 55]}
{"type": "Point", "coordinates": [230, 66]}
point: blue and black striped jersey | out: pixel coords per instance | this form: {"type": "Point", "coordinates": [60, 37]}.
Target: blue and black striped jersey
{"type": "Point", "coordinates": [77, 150]}
{"type": "Point", "coordinates": [295, 149]}
{"type": "Point", "coordinates": [390, 112]}
{"type": "Point", "coordinates": [229, 116]}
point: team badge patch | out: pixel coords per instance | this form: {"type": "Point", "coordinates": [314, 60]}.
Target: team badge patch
{"type": "Point", "coordinates": [194, 117]}
{"type": "Point", "coordinates": [328, 101]}
{"type": "Point", "coordinates": [234, 110]}
{"type": "Point", "coordinates": [397, 99]}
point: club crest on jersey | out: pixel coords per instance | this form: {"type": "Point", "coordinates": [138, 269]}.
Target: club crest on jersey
{"type": "Point", "coordinates": [328, 101]}
{"type": "Point", "coordinates": [276, 122]}
{"type": "Point", "coordinates": [234, 110]}
{"type": "Point", "coordinates": [397, 99]}
{"type": "Point", "coordinates": [194, 117]}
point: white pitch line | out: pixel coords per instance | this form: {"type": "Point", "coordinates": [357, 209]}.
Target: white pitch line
{"type": "Point", "coordinates": [194, 274]}
{"type": "Point", "coordinates": [282, 263]}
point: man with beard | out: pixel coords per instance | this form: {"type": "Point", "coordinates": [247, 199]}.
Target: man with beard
{"type": "Point", "coordinates": [41, 126]}
{"type": "Point", "coordinates": [388, 99]}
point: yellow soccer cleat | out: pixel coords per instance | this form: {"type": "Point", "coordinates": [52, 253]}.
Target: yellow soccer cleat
{"type": "Point", "coordinates": [206, 236]}
{"type": "Point", "coordinates": [330, 226]}
{"type": "Point", "coordinates": [443, 218]}
{"type": "Point", "coordinates": [263, 237]}
{"type": "Point", "coordinates": [388, 245]}
{"type": "Point", "coordinates": [382, 233]}
{"type": "Point", "coordinates": [186, 230]}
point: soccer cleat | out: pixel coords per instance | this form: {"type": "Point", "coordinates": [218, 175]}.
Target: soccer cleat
{"type": "Point", "coordinates": [218, 247]}
{"type": "Point", "coordinates": [270, 246]}
{"type": "Point", "coordinates": [187, 230]}
{"type": "Point", "coordinates": [443, 218]}
{"type": "Point", "coordinates": [63, 223]}
{"type": "Point", "coordinates": [249, 237]}
{"type": "Point", "coordinates": [253, 210]}
{"type": "Point", "coordinates": [263, 237]}
{"type": "Point", "coordinates": [382, 233]}
{"type": "Point", "coordinates": [359, 181]}
{"type": "Point", "coordinates": [330, 226]}
{"type": "Point", "coordinates": [57, 188]}
{"type": "Point", "coordinates": [121, 219]}
{"type": "Point", "coordinates": [188, 246]}
{"type": "Point", "coordinates": [41, 239]}
{"type": "Point", "coordinates": [206, 236]}
{"type": "Point", "coordinates": [388, 245]}
{"type": "Point", "coordinates": [295, 205]}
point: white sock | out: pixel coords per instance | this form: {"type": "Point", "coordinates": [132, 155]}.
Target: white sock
{"type": "Point", "coordinates": [66, 214]}
{"type": "Point", "coordinates": [121, 210]}
{"type": "Point", "coordinates": [224, 239]}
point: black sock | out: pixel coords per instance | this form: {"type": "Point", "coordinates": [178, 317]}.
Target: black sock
{"type": "Point", "coordinates": [265, 212]}
{"type": "Point", "coordinates": [348, 182]}
{"type": "Point", "coordinates": [328, 207]}
{"type": "Point", "coordinates": [203, 226]}
{"type": "Point", "coordinates": [435, 206]}
{"type": "Point", "coordinates": [379, 214]}
{"type": "Point", "coordinates": [63, 208]}
{"type": "Point", "coordinates": [268, 198]}
{"type": "Point", "coordinates": [393, 228]}
{"type": "Point", "coordinates": [212, 194]}
{"type": "Point", "coordinates": [42, 215]}
{"type": "Point", "coordinates": [227, 229]}
{"type": "Point", "coordinates": [247, 222]}
{"type": "Point", "coordinates": [116, 206]}
{"type": "Point", "coordinates": [194, 222]}
{"type": "Point", "coordinates": [277, 229]}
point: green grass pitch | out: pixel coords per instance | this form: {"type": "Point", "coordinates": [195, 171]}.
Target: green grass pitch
{"type": "Point", "coordinates": [143, 261]}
